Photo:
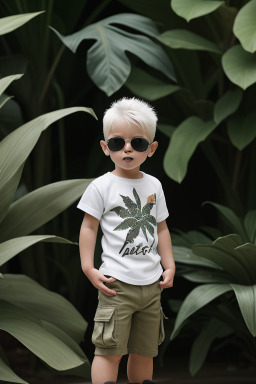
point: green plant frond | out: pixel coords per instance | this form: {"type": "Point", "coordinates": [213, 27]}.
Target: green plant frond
{"type": "Point", "coordinates": [239, 66]}
{"type": "Point", "coordinates": [146, 209]}
{"type": "Point", "coordinates": [222, 253]}
{"type": "Point", "coordinates": [6, 81]}
{"type": "Point", "coordinates": [193, 9]}
{"type": "Point", "coordinates": [10, 23]}
{"type": "Point", "coordinates": [185, 255]}
{"type": "Point", "coordinates": [44, 304]}
{"type": "Point", "coordinates": [16, 321]}
{"type": "Point", "coordinates": [230, 218]}
{"type": "Point", "coordinates": [131, 206]}
{"type": "Point", "coordinates": [121, 211]}
{"type": "Point", "coordinates": [144, 232]}
{"type": "Point", "coordinates": [149, 228]}
{"type": "Point", "coordinates": [132, 234]}
{"type": "Point", "coordinates": [107, 62]}
{"type": "Point", "coordinates": [247, 254]}
{"type": "Point", "coordinates": [36, 208]}
{"type": "Point", "coordinates": [13, 247]}
{"type": "Point", "coordinates": [247, 303]}
{"type": "Point", "coordinates": [212, 330]}
{"type": "Point", "coordinates": [183, 144]}
{"type": "Point", "coordinates": [197, 299]}
{"type": "Point", "coordinates": [151, 219]}
{"type": "Point", "coordinates": [127, 223]}
{"type": "Point", "coordinates": [137, 199]}
{"type": "Point", "coordinates": [244, 26]}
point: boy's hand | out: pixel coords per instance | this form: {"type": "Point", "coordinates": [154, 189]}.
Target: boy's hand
{"type": "Point", "coordinates": [98, 280]}
{"type": "Point", "coordinates": [168, 276]}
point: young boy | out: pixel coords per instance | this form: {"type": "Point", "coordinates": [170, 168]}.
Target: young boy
{"type": "Point", "coordinates": [137, 250]}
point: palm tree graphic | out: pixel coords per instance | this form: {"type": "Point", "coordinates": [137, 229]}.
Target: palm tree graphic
{"type": "Point", "coordinates": [135, 218]}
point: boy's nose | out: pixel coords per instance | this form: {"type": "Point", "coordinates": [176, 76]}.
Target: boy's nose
{"type": "Point", "coordinates": [127, 146]}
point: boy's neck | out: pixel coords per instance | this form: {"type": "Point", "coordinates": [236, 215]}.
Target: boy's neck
{"type": "Point", "coordinates": [128, 174]}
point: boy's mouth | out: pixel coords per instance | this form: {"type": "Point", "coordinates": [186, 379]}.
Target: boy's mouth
{"type": "Point", "coordinates": [127, 159]}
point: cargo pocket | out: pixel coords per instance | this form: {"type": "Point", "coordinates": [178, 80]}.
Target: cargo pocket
{"type": "Point", "coordinates": [161, 328]}
{"type": "Point", "coordinates": [104, 327]}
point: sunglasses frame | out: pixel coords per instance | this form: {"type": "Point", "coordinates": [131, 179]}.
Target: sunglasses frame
{"type": "Point", "coordinates": [130, 141]}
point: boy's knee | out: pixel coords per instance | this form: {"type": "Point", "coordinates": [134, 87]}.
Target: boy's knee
{"type": "Point", "coordinates": [113, 359]}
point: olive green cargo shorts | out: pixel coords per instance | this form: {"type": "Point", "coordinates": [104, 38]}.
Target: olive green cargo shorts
{"type": "Point", "coordinates": [130, 322]}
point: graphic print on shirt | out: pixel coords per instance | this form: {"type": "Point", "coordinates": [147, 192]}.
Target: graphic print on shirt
{"type": "Point", "coordinates": [136, 218]}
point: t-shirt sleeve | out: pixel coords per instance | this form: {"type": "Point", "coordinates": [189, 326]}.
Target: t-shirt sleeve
{"type": "Point", "coordinates": [92, 202]}
{"type": "Point", "coordinates": [161, 207]}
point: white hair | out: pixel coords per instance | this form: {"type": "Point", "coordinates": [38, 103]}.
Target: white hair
{"type": "Point", "coordinates": [133, 111]}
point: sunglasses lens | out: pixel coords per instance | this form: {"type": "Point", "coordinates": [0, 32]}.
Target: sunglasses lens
{"type": "Point", "coordinates": [139, 144]}
{"type": "Point", "coordinates": [116, 144]}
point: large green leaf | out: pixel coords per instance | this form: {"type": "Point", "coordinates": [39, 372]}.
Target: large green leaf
{"type": "Point", "coordinates": [204, 276]}
{"type": "Point", "coordinates": [227, 105]}
{"type": "Point", "coordinates": [189, 238]}
{"type": "Point", "coordinates": [107, 62]}
{"type": "Point", "coordinates": [44, 304]}
{"type": "Point", "coordinates": [10, 23]}
{"type": "Point", "coordinates": [16, 147]}
{"type": "Point", "coordinates": [241, 129]}
{"type": "Point", "coordinates": [8, 191]}
{"type": "Point", "coordinates": [8, 375]}
{"type": "Point", "coordinates": [6, 81]}
{"type": "Point", "coordinates": [231, 219]}
{"type": "Point", "coordinates": [84, 369]}
{"type": "Point", "coordinates": [244, 26]}
{"type": "Point", "coordinates": [222, 252]}
{"type": "Point", "coordinates": [240, 66]}
{"type": "Point", "coordinates": [246, 297]}
{"type": "Point", "coordinates": [60, 334]}
{"type": "Point", "coordinates": [38, 207]}
{"type": "Point", "coordinates": [183, 39]}
{"type": "Point", "coordinates": [198, 298]}
{"type": "Point", "coordinates": [250, 225]}
{"type": "Point", "coordinates": [11, 248]}
{"type": "Point", "coordinates": [247, 253]}
{"type": "Point", "coordinates": [184, 141]}
{"type": "Point", "coordinates": [186, 256]}
{"type": "Point", "coordinates": [192, 9]}
{"type": "Point", "coordinates": [28, 330]}
{"type": "Point", "coordinates": [148, 87]}
{"type": "Point", "coordinates": [211, 331]}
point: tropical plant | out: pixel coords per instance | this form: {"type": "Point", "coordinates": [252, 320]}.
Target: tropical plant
{"type": "Point", "coordinates": [227, 265]}
{"type": "Point", "coordinates": [107, 63]}
{"type": "Point", "coordinates": [136, 218]}
{"type": "Point", "coordinates": [46, 69]}
{"type": "Point", "coordinates": [45, 322]}
{"type": "Point", "coordinates": [212, 105]}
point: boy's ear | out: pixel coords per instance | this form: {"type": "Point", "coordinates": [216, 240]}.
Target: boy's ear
{"type": "Point", "coordinates": [104, 147]}
{"type": "Point", "coordinates": [152, 148]}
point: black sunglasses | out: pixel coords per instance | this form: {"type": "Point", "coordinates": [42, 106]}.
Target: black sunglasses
{"type": "Point", "coordinates": [139, 144]}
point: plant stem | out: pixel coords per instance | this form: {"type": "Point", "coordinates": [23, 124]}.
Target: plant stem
{"type": "Point", "coordinates": [50, 74]}
{"type": "Point", "coordinates": [212, 156]}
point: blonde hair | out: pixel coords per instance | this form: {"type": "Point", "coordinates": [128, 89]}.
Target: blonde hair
{"type": "Point", "coordinates": [133, 111]}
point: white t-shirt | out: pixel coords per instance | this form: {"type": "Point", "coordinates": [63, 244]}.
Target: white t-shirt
{"type": "Point", "coordinates": [128, 211]}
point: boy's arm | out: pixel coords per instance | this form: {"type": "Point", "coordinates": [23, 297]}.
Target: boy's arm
{"type": "Point", "coordinates": [165, 251]}
{"type": "Point", "coordinates": [87, 241]}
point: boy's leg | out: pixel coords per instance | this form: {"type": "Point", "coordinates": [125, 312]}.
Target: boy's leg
{"type": "Point", "coordinates": [139, 368]}
{"type": "Point", "coordinates": [105, 368]}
